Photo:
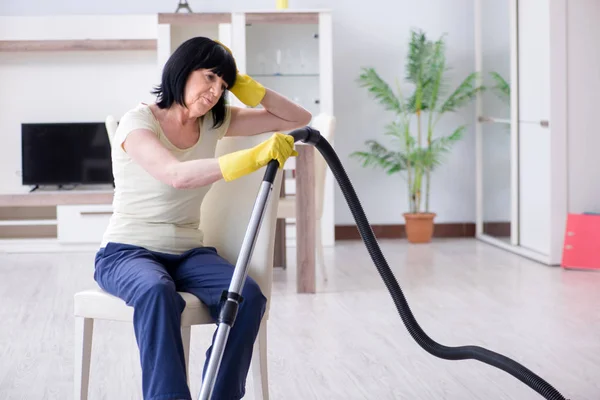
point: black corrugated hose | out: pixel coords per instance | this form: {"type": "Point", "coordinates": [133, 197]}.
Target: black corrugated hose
{"type": "Point", "coordinates": [312, 136]}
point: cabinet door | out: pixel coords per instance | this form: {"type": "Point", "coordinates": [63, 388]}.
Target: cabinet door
{"type": "Point", "coordinates": [82, 223]}
{"type": "Point", "coordinates": [534, 60]}
{"type": "Point", "coordinates": [285, 58]}
{"type": "Point", "coordinates": [534, 187]}
{"type": "Point", "coordinates": [496, 153]}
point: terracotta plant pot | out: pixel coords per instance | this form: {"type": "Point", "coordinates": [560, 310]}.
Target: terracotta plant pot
{"type": "Point", "coordinates": [419, 227]}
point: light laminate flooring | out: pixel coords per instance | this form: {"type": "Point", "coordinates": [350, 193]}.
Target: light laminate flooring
{"type": "Point", "coordinates": [345, 342]}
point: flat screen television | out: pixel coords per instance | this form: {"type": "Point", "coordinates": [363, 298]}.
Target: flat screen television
{"type": "Point", "coordinates": [65, 154]}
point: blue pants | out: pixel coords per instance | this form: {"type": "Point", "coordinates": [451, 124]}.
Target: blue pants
{"type": "Point", "coordinates": [148, 281]}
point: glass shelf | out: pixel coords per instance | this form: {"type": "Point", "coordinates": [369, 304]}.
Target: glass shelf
{"type": "Point", "coordinates": [285, 75]}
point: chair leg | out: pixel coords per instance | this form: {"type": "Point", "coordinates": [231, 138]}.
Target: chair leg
{"type": "Point", "coordinates": [259, 365]}
{"type": "Point", "coordinates": [186, 335]}
{"type": "Point", "coordinates": [84, 328]}
{"type": "Point", "coordinates": [320, 255]}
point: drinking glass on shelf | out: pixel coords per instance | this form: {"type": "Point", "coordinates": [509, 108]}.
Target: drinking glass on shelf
{"type": "Point", "coordinates": [262, 64]}
{"type": "Point", "coordinates": [289, 62]}
{"type": "Point", "coordinates": [278, 61]}
{"type": "Point", "coordinates": [302, 62]}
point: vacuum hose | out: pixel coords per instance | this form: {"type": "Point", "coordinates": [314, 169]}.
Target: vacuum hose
{"type": "Point", "coordinates": [313, 137]}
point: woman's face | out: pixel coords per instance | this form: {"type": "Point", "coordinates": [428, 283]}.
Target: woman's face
{"type": "Point", "coordinates": [202, 91]}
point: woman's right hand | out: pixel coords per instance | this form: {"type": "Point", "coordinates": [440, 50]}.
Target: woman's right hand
{"type": "Point", "coordinates": [237, 164]}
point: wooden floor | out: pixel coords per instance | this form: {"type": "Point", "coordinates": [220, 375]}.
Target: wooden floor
{"type": "Point", "coordinates": [347, 341]}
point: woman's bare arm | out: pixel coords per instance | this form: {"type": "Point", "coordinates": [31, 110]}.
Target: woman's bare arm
{"type": "Point", "coordinates": [279, 114]}
{"type": "Point", "coordinates": [145, 149]}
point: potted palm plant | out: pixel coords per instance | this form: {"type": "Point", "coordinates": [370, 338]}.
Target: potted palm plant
{"type": "Point", "coordinates": [417, 150]}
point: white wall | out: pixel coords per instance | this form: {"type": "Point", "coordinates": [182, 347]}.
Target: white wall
{"type": "Point", "coordinates": [584, 102]}
{"type": "Point", "coordinates": [363, 36]}
{"type": "Point", "coordinates": [380, 40]}
{"type": "Point", "coordinates": [58, 87]}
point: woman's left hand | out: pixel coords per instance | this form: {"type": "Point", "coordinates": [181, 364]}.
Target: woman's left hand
{"type": "Point", "coordinates": [278, 113]}
{"type": "Point", "coordinates": [246, 89]}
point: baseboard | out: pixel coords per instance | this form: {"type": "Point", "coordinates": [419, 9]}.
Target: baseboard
{"type": "Point", "coordinates": [442, 230]}
{"type": "Point", "coordinates": [497, 229]}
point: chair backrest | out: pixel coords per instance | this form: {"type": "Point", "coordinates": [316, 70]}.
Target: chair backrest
{"type": "Point", "coordinates": [226, 210]}
{"type": "Point", "coordinates": [325, 124]}
{"type": "Point", "coordinates": [111, 127]}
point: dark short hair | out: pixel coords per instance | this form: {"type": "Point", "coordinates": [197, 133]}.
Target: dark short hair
{"type": "Point", "coordinates": [194, 54]}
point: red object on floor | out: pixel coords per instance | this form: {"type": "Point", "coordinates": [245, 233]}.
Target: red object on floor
{"type": "Point", "coordinates": [581, 248]}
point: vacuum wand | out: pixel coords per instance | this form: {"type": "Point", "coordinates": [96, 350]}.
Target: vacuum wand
{"type": "Point", "coordinates": [232, 298]}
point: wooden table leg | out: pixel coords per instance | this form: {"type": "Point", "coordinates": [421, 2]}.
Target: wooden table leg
{"type": "Point", "coordinates": [280, 256]}
{"type": "Point", "coordinates": [305, 219]}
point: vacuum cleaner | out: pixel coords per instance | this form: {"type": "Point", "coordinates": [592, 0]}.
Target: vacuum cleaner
{"type": "Point", "coordinates": [232, 297]}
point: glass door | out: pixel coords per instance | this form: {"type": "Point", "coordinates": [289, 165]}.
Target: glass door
{"type": "Point", "coordinates": [496, 150]}
{"type": "Point", "coordinates": [285, 58]}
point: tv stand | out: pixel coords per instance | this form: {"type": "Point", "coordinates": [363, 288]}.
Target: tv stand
{"type": "Point", "coordinates": [62, 187]}
{"type": "Point", "coordinates": [59, 220]}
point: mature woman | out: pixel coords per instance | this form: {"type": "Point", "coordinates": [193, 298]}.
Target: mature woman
{"type": "Point", "coordinates": [163, 164]}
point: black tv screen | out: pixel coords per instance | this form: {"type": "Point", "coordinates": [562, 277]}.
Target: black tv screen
{"type": "Point", "coordinates": [65, 154]}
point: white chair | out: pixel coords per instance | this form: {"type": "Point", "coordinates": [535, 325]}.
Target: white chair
{"type": "Point", "coordinates": [111, 127]}
{"type": "Point", "coordinates": [325, 124]}
{"type": "Point", "coordinates": [224, 230]}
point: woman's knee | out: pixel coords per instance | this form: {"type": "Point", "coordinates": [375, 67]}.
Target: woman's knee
{"type": "Point", "coordinates": [159, 287]}
{"type": "Point", "coordinates": [159, 291]}
{"type": "Point", "coordinates": [253, 295]}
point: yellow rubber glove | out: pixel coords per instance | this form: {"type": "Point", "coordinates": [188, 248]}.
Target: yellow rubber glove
{"type": "Point", "coordinates": [249, 91]}
{"type": "Point", "coordinates": [237, 164]}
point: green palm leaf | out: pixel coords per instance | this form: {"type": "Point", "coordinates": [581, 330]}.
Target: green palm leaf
{"type": "Point", "coordinates": [436, 71]}
{"type": "Point", "coordinates": [380, 90]}
{"type": "Point", "coordinates": [400, 133]}
{"type": "Point", "coordinates": [464, 93]}
{"type": "Point", "coordinates": [418, 52]}
{"type": "Point", "coordinates": [501, 87]}
{"type": "Point", "coordinates": [379, 156]}
{"type": "Point", "coordinates": [442, 145]}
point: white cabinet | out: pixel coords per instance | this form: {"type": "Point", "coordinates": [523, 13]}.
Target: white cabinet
{"type": "Point", "coordinates": [533, 130]}
{"type": "Point", "coordinates": [289, 51]}
{"type": "Point", "coordinates": [533, 29]}
{"type": "Point", "coordinates": [81, 224]}
{"type": "Point", "coordinates": [583, 100]}
{"type": "Point", "coordinates": [534, 187]}
{"type": "Point", "coordinates": [536, 50]}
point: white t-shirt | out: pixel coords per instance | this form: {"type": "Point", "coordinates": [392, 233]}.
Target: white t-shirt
{"type": "Point", "coordinates": [147, 212]}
